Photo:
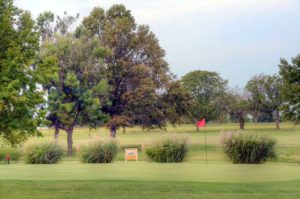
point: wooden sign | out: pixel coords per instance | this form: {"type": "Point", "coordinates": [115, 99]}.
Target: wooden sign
{"type": "Point", "coordinates": [131, 154]}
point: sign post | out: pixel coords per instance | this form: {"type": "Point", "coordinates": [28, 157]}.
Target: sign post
{"type": "Point", "coordinates": [7, 158]}
{"type": "Point", "coordinates": [131, 154]}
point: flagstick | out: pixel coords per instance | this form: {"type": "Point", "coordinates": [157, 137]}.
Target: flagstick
{"type": "Point", "coordinates": [205, 143]}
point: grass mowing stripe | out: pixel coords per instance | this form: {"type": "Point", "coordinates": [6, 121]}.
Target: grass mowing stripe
{"type": "Point", "coordinates": [146, 171]}
{"type": "Point", "coordinates": [141, 189]}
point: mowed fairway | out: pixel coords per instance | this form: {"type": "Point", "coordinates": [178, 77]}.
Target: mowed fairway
{"type": "Point", "coordinates": [143, 179]}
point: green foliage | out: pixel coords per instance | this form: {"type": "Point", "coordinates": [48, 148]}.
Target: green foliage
{"type": "Point", "coordinates": [45, 23]}
{"type": "Point", "coordinates": [15, 154]}
{"type": "Point", "coordinates": [99, 152]}
{"type": "Point", "coordinates": [208, 89]}
{"type": "Point", "coordinates": [248, 148]}
{"type": "Point", "coordinates": [94, 23]}
{"type": "Point", "coordinates": [43, 153]}
{"type": "Point", "coordinates": [168, 149]}
{"type": "Point", "coordinates": [20, 99]}
{"type": "Point", "coordinates": [78, 91]}
{"type": "Point", "coordinates": [135, 71]}
{"type": "Point", "coordinates": [290, 74]}
{"type": "Point", "coordinates": [64, 23]}
{"type": "Point", "coordinates": [265, 96]}
{"type": "Point", "coordinates": [178, 102]}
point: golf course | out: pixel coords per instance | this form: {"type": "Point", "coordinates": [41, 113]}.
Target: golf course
{"type": "Point", "coordinates": [149, 99]}
{"type": "Point", "coordinates": [194, 178]}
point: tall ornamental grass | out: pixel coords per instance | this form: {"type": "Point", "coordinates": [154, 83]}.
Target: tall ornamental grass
{"type": "Point", "coordinates": [168, 149]}
{"type": "Point", "coordinates": [43, 153]}
{"type": "Point", "coordinates": [247, 147]}
{"type": "Point", "coordinates": [99, 151]}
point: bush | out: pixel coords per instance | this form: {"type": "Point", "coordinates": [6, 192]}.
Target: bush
{"type": "Point", "coordinates": [168, 149]}
{"type": "Point", "coordinates": [248, 148]}
{"type": "Point", "coordinates": [99, 152]}
{"type": "Point", "coordinates": [15, 154]}
{"type": "Point", "coordinates": [43, 153]}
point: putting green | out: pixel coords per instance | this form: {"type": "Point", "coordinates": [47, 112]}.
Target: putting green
{"type": "Point", "coordinates": [146, 171]}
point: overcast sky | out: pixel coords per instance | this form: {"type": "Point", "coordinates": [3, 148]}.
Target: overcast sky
{"type": "Point", "coordinates": [236, 38]}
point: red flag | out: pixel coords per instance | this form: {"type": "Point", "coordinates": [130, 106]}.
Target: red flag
{"type": "Point", "coordinates": [201, 123]}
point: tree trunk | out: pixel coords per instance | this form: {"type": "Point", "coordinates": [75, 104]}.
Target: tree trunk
{"type": "Point", "coordinates": [113, 131]}
{"type": "Point", "coordinates": [277, 119]}
{"type": "Point", "coordinates": [241, 120]}
{"type": "Point", "coordinates": [124, 130]}
{"type": "Point", "coordinates": [70, 141]}
{"type": "Point", "coordinates": [56, 134]}
{"type": "Point", "coordinates": [197, 128]}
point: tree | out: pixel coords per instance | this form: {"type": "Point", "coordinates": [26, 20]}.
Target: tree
{"type": "Point", "coordinates": [237, 105]}
{"type": "Point", "coordinates": [20, 99]}
{"type": "Point", "coordinates": [78, 92]}
{"type": "Point", "coordinates": [265, 96]}
{"type": "Point", "coordinates": [208, 89]}
{"type": "Point", "coordinates": [290, 74]}
{"type": "Point", "coordinates": [63, 24]}
{"type": "Point", "coordinates": [136, 71]}
{"type": "Point", "coordinates": [49, 27]}
{"type": "Point", "coordinates": [45, 22]}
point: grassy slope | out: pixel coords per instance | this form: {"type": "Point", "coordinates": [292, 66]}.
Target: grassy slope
{"type": "Point", "coordinates": [150, 180]}
{"type": "Point", "coordinates": [194, 179]}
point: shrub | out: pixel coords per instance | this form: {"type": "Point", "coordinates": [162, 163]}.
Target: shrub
{"type": "Point", "coordinates": [99, 151]}
{"type": "Point", "coordinates": [168, 149]}
{"type": "Point", "coordinates": [248, 148]}
{"type": "Point", "coordinates": [15, 154]}
{"type": "Point", "coordinates": [43, 153]}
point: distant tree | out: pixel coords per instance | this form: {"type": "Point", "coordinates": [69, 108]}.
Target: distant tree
{"type": "Point", "coordinates": [136, 71]}
{"type": "Point", "coordinates": [78, 92]}
{"type": "Point", "coordinates": [45, 22]}
{"type": "Point", "coordinates": [265, 96]}
{"type": "Point", "coordinates": [64, 23]}
{"type": "Point", "coordinates": [290, 73]}
{"type": "Point", "coordinates": [94, 23]}
{"type": "Point", "coordinates": [177, 101]}
{"type": "Point", "coordinates": [256, 89]}
{"type": "Point", "coordinates": [237, 105]}
{"type": "Point", "coordinates": [208, 90]}
{"type": "Point", "coordinates": [20, 98]}
{"type": "Point", "coordinates": [48, 25]}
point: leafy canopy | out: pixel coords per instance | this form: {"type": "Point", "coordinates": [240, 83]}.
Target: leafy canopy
{"type": "Point", "coordinates": [20, 98]}
{"type": "Point", "coordinates": [290, 73]}
{"type": "Point", "coordinates": [208, 90]}
{"type": "Point", "coordinates": [135, 69]}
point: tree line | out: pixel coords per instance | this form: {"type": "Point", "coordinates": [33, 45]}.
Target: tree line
{"type": "Point", "coordinates": [110, 71]}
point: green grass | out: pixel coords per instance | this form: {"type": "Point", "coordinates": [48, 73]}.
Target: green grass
{"type": "Point", "coordinates": [95, 189]}
{"type": "Point", "coordinates": [146, 171]}
{"type": "Point", "coordinates": [143, 179]}
{"type": "Point", "coordinates": [149, 180]}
